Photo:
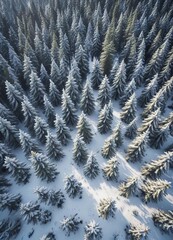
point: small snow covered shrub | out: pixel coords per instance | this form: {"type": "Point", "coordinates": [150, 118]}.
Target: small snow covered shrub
{"type": "Point", "coordinates": [91, 168]}
{"type": "Point", "coordinates": [136, 233]}
{"type": "Point", "coordinates": [70, 224]}
{"type": "Point", "coordinates": [106, 208]}
{"type": "Point", "coordinates": [73, 187]}
{"type": "Point", "coordinates": [128, 187]}
{"type": "Point", "coordinates": [93, 231]}
{"type": "Point", "coordinates": [111, 169]}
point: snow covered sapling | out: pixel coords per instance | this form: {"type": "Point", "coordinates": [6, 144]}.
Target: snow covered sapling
{"type": "Point", "coordinates": [49, 236]}
{"type": "Point", "coordinates": [106, 208]}
{"type": "Point", "coordinates": [62, 131]}
{"type": "Point", "coordinates": [153, 190]}
{"type": "Point", "coordinates": [129, 110]}
{"type": "Point", "coordinates": [128, 187]}
{"type": "Point", "coordinates": [10, 201]}
{"type": "Point", "coordinates": [117, 135]}
{"type": "Point", "coordinates": [136, 233]}
{"type": "Point", "coordinates": [18, 170]}
{"type": "Point", "coordinates": [131, 130]}
{"type": "Point", "coordinates": [68, 110]}
{"type": "Point", "coordinates": [53, 147]}
{"type": "Point", "coordinates": [164, 220]}
{"type": "Point", "coordinates": [50, 196]}
{"type": "Point", "coordinates": [87, 102]}
{"type": "Point", "coordinates": [54, 94]}
{"type": "Point", "coordinates": [27, 143]}
{"type": "Point", "coordinates": [96, 75]}
{"type": "Point", "coordinates": [93, 231]}
{"type": "Point", "coordinates": [137, 148]}
{"type": "Point", "coordinates": [159, 166]}
{"type": "Point", "coordinates": [40, 128]}
{"type": "Point", "coordinates": [73, 187]}
{"type": "Point", "coordinates": [104, 120]}
{"type": "Point", "coordinates": [110, 170]}
{"type": "Point", "coordinates": [49, 111]}
{"type": "Point", "coordinates": [84, 128]}
{"type": "Point", "coordinates": [104, 93]}
{"type": "Point", "coordinates": [109, 148]}
{"type": "Point", "coordinates": [91, 168]}
{"type": "Point", "coordinates": [70, 224]}
{"type": "Point", "coordinates": [80, 153]}
{"type": "Point", "coordinates": [42, 167]}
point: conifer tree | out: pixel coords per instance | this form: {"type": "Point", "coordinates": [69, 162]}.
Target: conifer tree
{"type": "Point", "coordinates": [42, 167]}
{"type": "Point", "coordinates": [40, 128]}
{"type": "Point", "coordinates": [68, 110]}
{"type": "Point", "coordinates": [36, 90]}
{"type": "Point", "coordinates": [110, 170]}
{"type": "Point", "coordinates": [91, 168]}
{"type": "Point", "coordinates": [9, 133]}
{"type": "Point", "coordinates": [49, 236]}
{"type": "Point", "coordinates": [119, 81]}
{"type": "Point", "coordinates": [80, 153]}
{"type": "Point", "coordinates": [70, 224]}
{"type": "Point", "coordinates": [117, 135]}
{"type": "Point", "coordinates": [75, 71]}
{"type": "Point", "coordinates": [106, 208]}
{"type": "Point", "coordinates": [62, 131]}
{"type": "Point", "coordinates": [15, 62]}
{"type": "Point", "coordinates": [88, 43]}
{"type": "Point", "coordinates": [128, 92]}
{"type": "Point", "coordinates": [63, 74]}
{"type": "Point", "coordinates": [27, 69]}
{"type": "Point", "coordinates": [153, 190]}
{"type": "Point", "coordinates": [109, 148]}
{"type": "Point", "coordinates": [84, 128]}
{"type": "Point", "coordinates": [128, 187]}
{"type": "Point", "coordinates": [49, 111]}
{"type": "Point", "coordinates": [9, 228]}
{"type": "Point", "coordinates": [71, 88]}
{"type": "Point", "coordinates": [96, 74]}
{"type": "Point", "coordinates": [87, 100]}
{"type": "Point", "coordinates": [54, 74]}
{"type": "Point", "coordinates": [11, 202]}
{"type": "Point", "coordinates": [44, 77]}
{"type": "Point", "coordinates": [96, 50]}
{"type": "Point", "coordinates": [131, 130]}
{"type": "Point", "coordinates": [53, 147]}
{"type": "Point", "coordinates": [163, 219]}
{"type": "Point", "coordinates": [54, 94]}
{"type": "Point", "coordinates": [27, 143]}
{"type": "Point", "coordinates": [72, 187]}
{"type": "Point", "coordinates": [159, 166]}
{"type": "Point", "coordinates": [137, 147]}
{"type": "Point", "coordinates": [29, 113]}
{"type": "Point", "coordinates": [46, 57]}
{"type": "Point", "coordinates": [104, 93]}
{"type": "Point", "coordinates": [54, 48]}
{"type": "Point", "coordinates": [31, 212]}
{"type": "Point", "coordinates": [104, 120]}
{"type": "Point", "coordinates": [82, 60]}
{"type": "Point", "coordinates": [50, 196]}
{"type": "Point", "coordinates": [113, 71]}
{"type": "Point", "coordinates": [4, 152]}
{"type": "Point", "coordinates": [8, 115]}
{"type": "Point", "coordinates": [134, 232]}
{"type": "Point", "coordinates": [106, 57]}
{"type": "Point", "coordinates": [18, 170]}
{"type": "Point", "coordinates": [93, 231]}
{"type": "Point", "coordinates": [129, 110]}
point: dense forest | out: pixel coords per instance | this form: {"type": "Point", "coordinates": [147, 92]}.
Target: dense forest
{"type": "Point", "coordinates": [86, 121]}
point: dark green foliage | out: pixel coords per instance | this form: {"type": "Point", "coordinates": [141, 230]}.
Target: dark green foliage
{"type": "Point", "coordinates": [96, 75]}
{"type": "Point", "coordinates": [4, 184]}
{"type": "Point", "coordinates": [159, 166]}
{"type": "Point", "coordinates": [110, 170]}
{"type": "Point", "coordinates": [62, 131]}
{"type": "Point", "coordinates": [40, 128]}
{"type": "Point", "coordinates": [106, 208]}
{"type": "Point", "coordinates": [104, 120]}
{"type": "Point", "coordinates": [131, 130]}
{"type": "Point", "coordinates": [84, 128]}
{"type": "Point", "coordinates": [44, 77]}
{"type": "Point", "coordinates": [9, 229]}
{"type": "Point", "coordinates": [153, 190]}
{"type": "Point", "coordinates": [109, 148]}
{"type": "Point", "coordinates": [43, 168]}
{"type": "Point", "coordinates": [97, 46]}
{"type": "Point", "coordinates": [49, 111]}
{"type": "Point", "coordinates": [10, 201]}
{"type": "Point", "coordinates": [50, 196]}
{"type": "Point", "coordinates": [137, 148]}
{"type": "Point", "coordinates": [136, 232]}
{"type": "Point", "coordinates": [87, 102]}
{"type": "Point", "coordinates": [163, 219]}
{"type": "Point", "coordinates": [104, 93]}
{"type": "Point", "coordinates": [91, 168]}
{"type": "Point", "coordinates": [128, 187]}
{"type": "Point", "coordinates": [72, 187]}
{"type": "Point", "coordinates": [54, 94]}
{"type": "Point", "coordinates": [27, 143]}
{"type": "Point", "coordinates": [68, 110]}
{"type": "Point", "coordinates": [80, 153]}
{"type": "Point", "coordinates": [93, 231]}
{"type": "Point", "coordinates": [70, 224]}
{"type": "Point", "coordinates": [18, 170]}
{"type": "Point", "coordinates": [129, 110]}
{"type": "Point", "coordinates": [106, 58]}
{"type": "Point", "coordinates": [53, 147]}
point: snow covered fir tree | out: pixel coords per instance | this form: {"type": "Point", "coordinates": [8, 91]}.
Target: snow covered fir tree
{"type": "Point", "coordinates": [86, 122]}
